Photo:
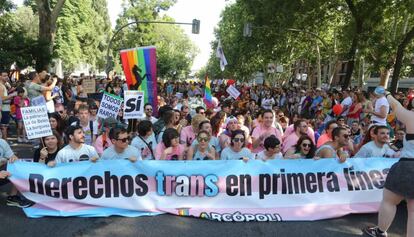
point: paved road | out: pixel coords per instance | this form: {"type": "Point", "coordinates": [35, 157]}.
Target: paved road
{"type": "Point", "coordinates": [13, 222]}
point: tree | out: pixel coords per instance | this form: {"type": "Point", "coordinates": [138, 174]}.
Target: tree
{"type": "Point", "coordinates": [47, 29]}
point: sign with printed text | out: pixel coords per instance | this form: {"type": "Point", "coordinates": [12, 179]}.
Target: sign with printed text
{"type": "Point", "coordinates": [233, 92]}
{"type": "Point", "coordinates": [36, 121]}
{"type": "Point", "coordinates": [110, 105]}
{"type": "Point", "coordinates": [134, 104]}
{"type": "Point", "coordinates": [231, 190]}
{"type": "Point", "coordinates": [89, 85]}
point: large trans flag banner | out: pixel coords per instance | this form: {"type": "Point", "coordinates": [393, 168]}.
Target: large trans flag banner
{"type": "Point", "coordinates": [279, 190]}
{"type": "Point", "coordinates": [140, 69]}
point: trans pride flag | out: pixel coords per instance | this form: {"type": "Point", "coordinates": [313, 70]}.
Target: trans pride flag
{"type": "Point", "coordinates": [140, 69]}
{"type": "Point", "coordinates": [208, 98]}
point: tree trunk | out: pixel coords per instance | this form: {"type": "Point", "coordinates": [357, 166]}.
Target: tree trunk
{"type": "Point", "coordinates": [355, 41]}
{"type": "Point", "coordinates": [384, 76]}
{"type": "Point", "coordinates": [399, 59]}
{"type": "Point", "coordinates": [319, 78]}
{"type": "Point", "coordinates": [47, 31]}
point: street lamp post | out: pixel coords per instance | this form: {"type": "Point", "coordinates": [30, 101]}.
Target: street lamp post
{"type": "Point", "coordinates": [195, 30]}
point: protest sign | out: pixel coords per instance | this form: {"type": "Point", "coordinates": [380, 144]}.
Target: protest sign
{"type": "Point", "coordinates": [110, 105]}
{"type": "Point", "coordinates": [275, 190]}
{"type": "Point", "coordinates": [38, 100]}
{"type": "Point", "coordinates": [89, 86]}
{"type": "Point", "coordinates": [36, 121]}
{"type": "Point", "coordinates": [134, 104]}
{"type": "Point", "coordinates": [233, 92]}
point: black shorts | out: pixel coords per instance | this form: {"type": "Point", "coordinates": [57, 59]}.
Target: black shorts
{"type": "Point", "coordinates": [400, 178]}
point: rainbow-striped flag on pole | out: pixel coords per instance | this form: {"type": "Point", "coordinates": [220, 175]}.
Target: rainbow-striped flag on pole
{"type": "Point", "coordinates": [140, 69]}
{"type": "Point", "coordinates": [208, 98]}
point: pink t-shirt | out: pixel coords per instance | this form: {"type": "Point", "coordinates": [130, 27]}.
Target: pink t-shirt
{"type": "Point", "coordinates": [258, 131]}
{"type": "Point", "coordinates": [187, 135]}
{"type": "Point", "coordinates": [289, 142]}
{"type": "Point", "coordinates": [16, 102]}
{"type": "Point", "coordinates": [324, 138]}
{"type": "Point", "coordinates": [99, 144]}
{"type": "Point", "coordinates": [177, 151]}
{"type": "Point", "coordinates": [290, 129]}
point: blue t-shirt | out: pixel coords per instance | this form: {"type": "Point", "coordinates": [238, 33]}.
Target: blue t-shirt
{"type": "Point", "coordinates": [143, 149]}
{"type": "Point", "coordinates": [111, 154]}
{"type": "Point", "coordinates": [229, 154]}
{"type": "Point", "coordinates": [198, 156]}
{"type": "Point", "coordinates": [5, 150]}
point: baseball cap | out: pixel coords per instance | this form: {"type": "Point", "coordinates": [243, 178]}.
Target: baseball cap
{"type": "Point", "coordinates": [379, 90]}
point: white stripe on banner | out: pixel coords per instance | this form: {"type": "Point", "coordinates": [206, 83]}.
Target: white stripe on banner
{"type": "Point", "coordinates": [219, 190]}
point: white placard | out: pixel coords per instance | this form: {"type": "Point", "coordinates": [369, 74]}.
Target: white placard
{"type": "Point", "coordinates": [134, 104]}
{"type": "Point", "coordinates": [233, 92]}
{"type": "Point", "coordinates": [109, 106]}
{"type": "Point", "coordinates": [36, 121]}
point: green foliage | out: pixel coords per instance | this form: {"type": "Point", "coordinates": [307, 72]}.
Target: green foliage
{"type": "Point", "coordinates": [175, 51]}
{"type": "Point", "coordinates": [83, 32]}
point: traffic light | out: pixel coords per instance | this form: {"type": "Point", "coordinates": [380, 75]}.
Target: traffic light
{"type": "Point", "coordinates": [196, 26]}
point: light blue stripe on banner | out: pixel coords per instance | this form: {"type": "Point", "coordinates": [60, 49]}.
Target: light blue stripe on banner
{"type": "Point", "coordinates": [33, 212]}
{"type": "Point", "coordinates": [218, 168]}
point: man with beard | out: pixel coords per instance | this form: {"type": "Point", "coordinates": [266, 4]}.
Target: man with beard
{"type": "Point", "coordinates": [334, 149]}
{"type": "Point", "coordinates": [76, 150]}
{"type": "Point", "coordinates": [378, 147]}
{"type": "Point", "coordinates": [301, 128]}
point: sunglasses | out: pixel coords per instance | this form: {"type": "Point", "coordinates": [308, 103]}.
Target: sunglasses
{"type": "Point", "coordinates": [123, 139]}
{"type": "Point", "coordinates": [202, 139]}
{"type": "Point", "coordinates": [238, 140]}
{"type": "Point", "coordinates": [306, 145]}
{"type": "Point", "coordinates": [148, 109]}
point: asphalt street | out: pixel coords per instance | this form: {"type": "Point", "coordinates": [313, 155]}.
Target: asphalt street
{"type": "Point", "coordinates": [13, 222]}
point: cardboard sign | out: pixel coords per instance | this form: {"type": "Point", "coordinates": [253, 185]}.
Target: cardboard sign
{"type": "Point", "coordinates": [233, 92]}
{"type": "Point", "coordinates": [110, 105]}
{"type": "Point", "coordinates": [134, 104]}
{"type": "Point", "coordinates": [36, 121]}
{"type": "Point", "coordinates": [89, 86]}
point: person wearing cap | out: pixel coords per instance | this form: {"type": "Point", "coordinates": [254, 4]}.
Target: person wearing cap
{"type": "Point", "coordinates": [231, 124]}
{"type": "Point", "coordinates": [102, 141]}
{"type": "Point", "coordinates": [264, 130]}
{"type": "Point", "coordinates": [381, 108]}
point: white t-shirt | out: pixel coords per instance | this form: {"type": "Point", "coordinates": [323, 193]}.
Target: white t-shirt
{"type": "Point", "coordinates": [143, 149]}
{"type": "Point", "coordinates": [378, 104]}
{"type": "Point", "coordinates": [371, 150]}
{"type": "Point", "coordinates": [267, 103]}
{"type": "Point", "coordinates": [229, 154]}
{"type": "Point", "coordinates": [347, 102]}
{"type": "Point", "coordinates": [262, 156]}
{"type": "Point", "coordinates": [68, 154]}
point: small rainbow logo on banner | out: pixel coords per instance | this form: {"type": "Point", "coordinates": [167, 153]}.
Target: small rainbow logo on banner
{"type": "Point", "coordinates": [140, 69]}
{"type": "Point", "coordinates": [183, 211]}
{"type": "Point", "coordinates": [208, 98]}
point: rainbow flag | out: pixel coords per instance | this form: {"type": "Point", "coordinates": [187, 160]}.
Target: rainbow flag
{"type": "Point", "coordinates": [208, 98]}
{"type": "Point", "coordinates": [140, 69]}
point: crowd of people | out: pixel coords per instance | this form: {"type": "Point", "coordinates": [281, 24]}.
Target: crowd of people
{"type": "Point", "coordinates": [264, 123]}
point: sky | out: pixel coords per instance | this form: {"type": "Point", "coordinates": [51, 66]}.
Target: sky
{"type": "Point", "coordinates": [207, 11]}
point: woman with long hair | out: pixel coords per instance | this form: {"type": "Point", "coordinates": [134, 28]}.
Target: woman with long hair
{"type": "Point", "coordinates": [304, 149]}
{"type": "Point", "coordinates": [56, 123]}
{"type": "Point", "coordinates": [49, 149]}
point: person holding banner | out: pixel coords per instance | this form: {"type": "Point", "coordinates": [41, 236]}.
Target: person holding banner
{"type": "Point", "coordinates": [7, 155]}
{"type": "Point", "coordinates": [271, 151]}
{"type": "Point", "coordinates": [120, 150]}
{"type": "Point", "coordinates": [51, 146]}
{"type": "Point", "coordinates": [145, 141]}
{"type": "Point", "coordinates": [170, 147]}
{"type": "Point", "coordinates": [203, 150]}
{"type": "Point", "coordinates": [304, 149]}
{"type": "Point", "coordinates": [334, 149]}
{"type": "Point", "coordinates": [76, 150]}
{"type": "Point", "coordinates": [399, 183]}
{"type": "Point", "coordinates": [237, 149]}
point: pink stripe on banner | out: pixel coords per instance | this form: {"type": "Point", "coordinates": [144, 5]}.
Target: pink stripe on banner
{"type": "Point", "coordinates": [299, 213]}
